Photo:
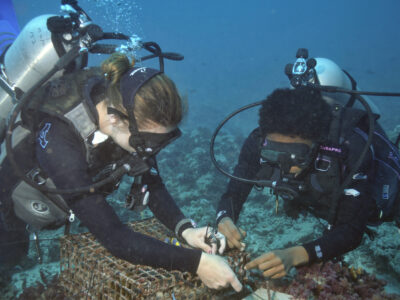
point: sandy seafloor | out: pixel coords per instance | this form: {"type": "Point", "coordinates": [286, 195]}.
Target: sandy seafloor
{"type": "Point", "coordinates": [235, 54]}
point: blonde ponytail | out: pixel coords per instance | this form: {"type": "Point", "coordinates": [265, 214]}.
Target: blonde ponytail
{"type": "Point", "coordinates": [113, 68]}
{"type": "Point", "coordinates": [157, 100]}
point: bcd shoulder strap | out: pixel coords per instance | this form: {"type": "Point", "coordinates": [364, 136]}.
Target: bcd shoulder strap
{"type": "Point", "coordinates": [343, 123]}
{"type": "Point", "coordinates": [334, 136]}
{"type": "Point", "coordinates": [63, 98]}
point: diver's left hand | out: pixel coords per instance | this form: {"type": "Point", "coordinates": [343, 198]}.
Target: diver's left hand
{"type": "Point", "coordinates": [277, 263]}
{"type": "Point", "coordinates": [195, 237]}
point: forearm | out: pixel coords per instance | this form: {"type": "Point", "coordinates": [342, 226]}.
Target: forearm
{"type": "Point", "coordinates": [353, 212]}
{"type": "Point", "coordinates": [230, 206]}
{"type": "Point", "coordinates": [236, 194]}
{"type": "Point", "coordinates": [129, 245]}
{"type": "Point", "coordinates": [164, 207]}
{"type": "Point", "coordinates": [232, 200]}
{"type": "Point", "coordinates": [334, 243]}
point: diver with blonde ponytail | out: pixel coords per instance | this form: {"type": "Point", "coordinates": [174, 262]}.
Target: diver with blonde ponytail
{"type": "Point", "coordinates": [136, 112]}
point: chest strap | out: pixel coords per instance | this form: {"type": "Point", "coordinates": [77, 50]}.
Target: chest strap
{"type": "Point", "coordinates": [334, 135]}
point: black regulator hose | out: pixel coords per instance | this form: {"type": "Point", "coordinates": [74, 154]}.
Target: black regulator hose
{"type": "Point", "coordinates": [268, 183]}
{"type": "Point", "coordinates": [103, 48]}
{"type": "Point", "coordinates": [335, 89]}
{"type": "Point", "coordinates": [114, 36]}
{"type": "Point", "coordinates": [60, 65]}
{"type": "Point", "coordinates": [152, 47]}
{"type": "Point", "coordinates": [156, 50]}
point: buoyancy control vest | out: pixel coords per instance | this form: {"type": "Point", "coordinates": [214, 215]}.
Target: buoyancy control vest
{"type": "Point", "coordinates": [66, 98]}
{"type": "Point", "coordinates": [329, 166]}
{"type": "Point", "coordinates": [383, 174]}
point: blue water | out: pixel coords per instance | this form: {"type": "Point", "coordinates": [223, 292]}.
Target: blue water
{"type": "Point", "coordinates": [235, 53]}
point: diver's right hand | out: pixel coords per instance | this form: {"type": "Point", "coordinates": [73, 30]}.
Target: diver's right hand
{"type": "Point", "coordinates": [232, 234]}
{"type": "Point", "coordinates": [215, 273]}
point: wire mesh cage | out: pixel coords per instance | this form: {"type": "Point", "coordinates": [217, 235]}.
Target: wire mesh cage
{"type": "Point", "coordinates": [89, 271]}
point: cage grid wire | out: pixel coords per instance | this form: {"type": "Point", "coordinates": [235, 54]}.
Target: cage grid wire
{"type": "Point", "coordinates": [89, 271]}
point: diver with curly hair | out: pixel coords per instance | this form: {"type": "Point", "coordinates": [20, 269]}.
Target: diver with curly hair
{"type": "Point", "coordinates": [289, 147]}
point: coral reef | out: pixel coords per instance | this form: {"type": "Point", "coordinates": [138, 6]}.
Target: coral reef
{"type": "Point", "coordinates": [187, 169]}
{"type": "Point", "coordinates": [335, 281]}
{"type": "Point", "coordinates": [329, 281]}
{"type": "Point", "coordinates": [193, 181]}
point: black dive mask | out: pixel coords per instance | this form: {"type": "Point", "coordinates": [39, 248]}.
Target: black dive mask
{"type": "Point", "coordinates": [145, 143]}
{"type": "Point", "coordinates": [287, 155]}
{"type": "Point", "coordinates": [155, 142]}
{"type": "Point", "coordinates": [149, 143]}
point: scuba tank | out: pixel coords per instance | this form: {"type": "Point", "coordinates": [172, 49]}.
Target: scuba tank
{"type": "Point", "coordinates": [325, 72]}
{"type": "Point", "coordinates": [27, 60]}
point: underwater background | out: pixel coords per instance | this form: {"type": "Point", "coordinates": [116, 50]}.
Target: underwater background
{"type": "Point", "coordinates": [235, 54]}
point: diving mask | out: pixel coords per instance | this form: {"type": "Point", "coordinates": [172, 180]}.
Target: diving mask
{"type": "Point", "coordinates": [287, 155]}
{"type": "Point", "coordinates": [150, 143]}
{"type": "Point", "coordinates": [155, 142]}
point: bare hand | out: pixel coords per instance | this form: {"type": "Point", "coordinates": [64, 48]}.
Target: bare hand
{"type": "Point", "coordinates": [195, 237]}
{"type": "Point", "coordinates": [277, 263]}
{"type": "Point", "coordinates": [232, 233]}
{"type": "Point", "coordinates": [215, 273]}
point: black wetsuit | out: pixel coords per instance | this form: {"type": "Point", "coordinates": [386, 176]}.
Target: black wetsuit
{"type": "Point", "coordinates": [62, 156]}
{"type": "Point", "coordinates": [353, 211]}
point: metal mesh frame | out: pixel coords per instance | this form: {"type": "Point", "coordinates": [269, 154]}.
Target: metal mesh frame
{"type": "Point", "coordinates": [89, 271]}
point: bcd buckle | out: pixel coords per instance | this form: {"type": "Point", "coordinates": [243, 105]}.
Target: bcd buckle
{"type": "Point", "coordinates": [35, 176]}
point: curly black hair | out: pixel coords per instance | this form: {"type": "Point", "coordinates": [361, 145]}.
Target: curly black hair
{"type": "Point", "coordinates": [298, 112]}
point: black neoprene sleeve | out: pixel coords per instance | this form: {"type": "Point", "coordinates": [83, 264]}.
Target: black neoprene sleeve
{"type": "Point", "coordinates": [236, 194]}
{"type": "Point", "coordinates": [61, 155]}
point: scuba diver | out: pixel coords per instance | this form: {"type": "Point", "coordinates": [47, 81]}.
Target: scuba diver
{"type": "Point", "coordinates": [70, 139]}
{"type": "Point", "coordinates": [319, 154]}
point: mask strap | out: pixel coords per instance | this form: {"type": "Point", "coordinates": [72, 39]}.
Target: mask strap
{"type": "Point", "coordinates": [130, 84]}
{"type": "Point", "coordinates": [136, 140]}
